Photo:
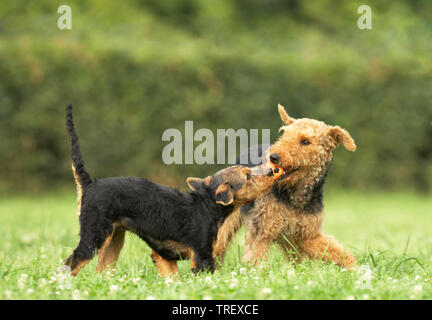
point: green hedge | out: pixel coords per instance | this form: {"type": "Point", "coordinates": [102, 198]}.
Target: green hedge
{"type": "Point", "coordinates": [134, 69]}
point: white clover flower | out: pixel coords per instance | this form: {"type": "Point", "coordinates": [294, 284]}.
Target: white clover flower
{"type": "Point", "coordinates": [8, 294]}
{"type": "Point", "coordinates": [310, 283]}
{"type": "Point", "coordinates": [343, 270]}
{"type": "Point", "coordinates": [365, 297]}
{"type": "Point", "coordinates": [114, 288]}
{"type": "Point", "coordinates": [417, 278]}
{"type": "Point", "coordinates": [22, 281]}
{"type": "Point", "coordinates": [75, 294]}
{"type": "Point", "coordinates": [208, 279]}
{"type": "Point", "coordinates": [30, 291]}
{"type": "Point", "coordinates": [63, 279]}
{"type": "Point", "coordinates": [417, 289]}
{"type": "Point", "coordinates": [42, 282]}
{"type": "Point", "coordinates": [150, 298]}
{"type": "Point", "coordinates": [136, 280]}
{"type": "Point", "coordinates": [291, 273]}
{"type": "Point", "coordinates": [243, 270]}
{"type": "Point", "coordinates": [266, 291]}
{"type": "Point", "coordinates": [207, 298]}
{"type": "Point", "coordinates": [350, 298]}
{"type": "Point", "coordinates": [121, 279]}
{"type": "Point", "coordinates": [86, 293]}
{"type": "Point", "coordinates": [296, 287]}
{"type": "Point", "coordinates": [168, 281]}
{"type": "Point", "coordinates": [365, 277]}
{"type": "Point", "coordinates": [234, 283]}
{"type": "Point", "coordinates": [233, 274]}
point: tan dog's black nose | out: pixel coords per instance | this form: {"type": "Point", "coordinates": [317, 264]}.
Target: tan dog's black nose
{"type": "Point", "coordinates": [274, 158]}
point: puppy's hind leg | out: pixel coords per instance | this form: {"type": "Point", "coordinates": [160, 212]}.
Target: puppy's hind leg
{"type": "Point", "coordinates": [110, 250]}
{"type": "Point", "coordinates": [164, 267]}
{"type": "Point", "coordinates": [91, 239]}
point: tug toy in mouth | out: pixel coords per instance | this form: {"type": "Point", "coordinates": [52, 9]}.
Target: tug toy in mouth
{"type": "Point", "coordinates": [277, 171]}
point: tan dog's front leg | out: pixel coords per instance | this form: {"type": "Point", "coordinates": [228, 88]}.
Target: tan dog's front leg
{"type": "Point", "coordinates": [328, 249]}
{"type": "Point", "coordinates": [257, 251]}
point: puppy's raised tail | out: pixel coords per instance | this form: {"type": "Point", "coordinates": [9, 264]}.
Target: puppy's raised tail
{"type": "Point", "coordinates": [81, 175]}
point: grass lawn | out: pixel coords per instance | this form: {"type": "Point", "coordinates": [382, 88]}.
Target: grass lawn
{"type": "Point", "coordinates": [390, 234]}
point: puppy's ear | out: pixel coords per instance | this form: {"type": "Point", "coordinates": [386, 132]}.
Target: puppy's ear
{"type": "Point", "coordinates": [284, 115]}
{"type": "Point", "coordinates": [224, 195]}
{"type": "Point", "coordinates": [194, 183]}
{"type": "Point", "coordinates": [340, 135]}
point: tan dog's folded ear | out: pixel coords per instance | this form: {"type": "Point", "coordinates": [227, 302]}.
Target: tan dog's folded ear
{"type": "Point", "coordinates": [284, 115]}
{"type": "Point", "coordinates": [224, 195]}
{"type": "Point", "coordinates": [340, 135]}
{"type": "Point", "coordinates": [194, 183]}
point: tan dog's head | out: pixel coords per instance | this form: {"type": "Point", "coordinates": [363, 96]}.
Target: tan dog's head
{"type": "Point", "coordinates": [235, 185]}
{"type": "Point", "coordinates": [306, 147]}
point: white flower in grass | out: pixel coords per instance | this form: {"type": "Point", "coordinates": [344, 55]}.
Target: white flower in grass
{"type": "Point", "coordinates": [168, 281]}
{"type": "Point", "coordinates": [365, 277]}
{"type": "Point", "coordinates": [310, 283]}
{"type": "Point", "coordinates": [350, 298]}
{"type": "Point", "coordinates": [343, 270]}
{"type": "Point", "coordinates": [22, 281]}
{"type": "Point", "coordinates": [291, 274]}
{"type": "Point", "coordinates": [365, 297]}
{"type": "Point", "coordinates": [114, 288]}
{"type": "Point", "coordinates": [207, 298]}
{"type": "Point", "coordinates": [296, 287]}
{"type": "Point", "coordinates": [266, 291]}
{"type": "Point", "coordinates": [42, 282]}
{"type": "Point", "coordinates": [150, 298]}
{"type": "Point", "coordinates": [136, 280]}
{"type": "Point", "coordinates": [233, 274]}
{"type": "Point", "coordinates": [208, 279]}
{"type": "Point", "coordinates": [243, 270]}
{"type": "Point", "coordinates": [418, 289]}
{"type": "Point", "coordinates": [8, 294]}
{"type": "Point", "coordinates": [63, 279]}
{"type": "Point", "coordinates": [417, 278]}
{"type": "Point", "coordinates": [85, 293]}
{"type": "Point", "coordinates": [234, 283]}
{"type": "Point", "coordinates": [75, 294]}
{"type": "Point", "coordinates": [30, 291]}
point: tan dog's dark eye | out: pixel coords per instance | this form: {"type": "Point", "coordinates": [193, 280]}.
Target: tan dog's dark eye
{"type": "Point", "coordinates": [248, 176]}
{"type": "Point", "coordinates": [304, 142]}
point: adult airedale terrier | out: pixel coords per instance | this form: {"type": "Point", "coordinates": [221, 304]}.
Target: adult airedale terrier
{"type": "Point", "coordinates": [291, 214]}
{"type": "Point", "coordinates": [173, 223]}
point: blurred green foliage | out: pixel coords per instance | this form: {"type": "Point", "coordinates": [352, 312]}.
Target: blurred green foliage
{"type": "Point", "coordinates": [135, 68]}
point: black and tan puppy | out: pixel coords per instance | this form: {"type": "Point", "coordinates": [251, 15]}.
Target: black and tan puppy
{"type": "Point", "coordinates": [173, 223]}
